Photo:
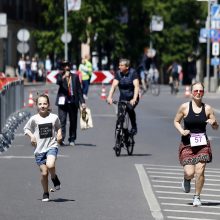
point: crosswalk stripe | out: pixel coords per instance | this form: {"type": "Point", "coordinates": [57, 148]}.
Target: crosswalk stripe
{"type": "Point", "coordinates": [169, 169]}
{"type": "Point", "coordinates": [188, 205]}
{"type": "Point", "coordinates": [177, 187]}
{"type": "Point", "coordinates": [187, 218]}
{"type": "Point", "coordinates": [175, 182]}
{"type": "Point", "coordinates": [174, 177]}
{"type": "Point", "coordinates": [181, 193]}
{"type": "Point", "coordinates": [186, 199]}
{"type": "Point", "coordinates": [193, 212]}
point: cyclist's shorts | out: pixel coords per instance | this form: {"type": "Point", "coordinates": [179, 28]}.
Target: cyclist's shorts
{"type": "Point", "coordinates": [175, 76]}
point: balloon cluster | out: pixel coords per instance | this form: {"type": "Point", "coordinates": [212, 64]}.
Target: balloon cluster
{"type": "Point", "coordinates": [8, 131]}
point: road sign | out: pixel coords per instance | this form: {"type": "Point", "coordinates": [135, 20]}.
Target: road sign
{"type": "Point", "coordinates": [3, 19]}
{"type": "Point", "coordinates": [23, 47]}
{"type": "Point", "coordinates": [66, 38]}
{"type": "Point", "coordinates": [156, 23]}
{"type": "Point", "coordinates": [215, 48]}
{"type": "Point", "coordinates": [23, 35]}
{"type": "Point", "coordinates": [202, 40]}
{"type": "Point", "coordinates": [51, 76]}
{"type": "Point", "coordinates": [215, 24]}
{"type": "Point", "coordinates": [3, 31]}
{"type": "Point", "coordinates": [215, 61]}
{"type": "Point", "coordinates": [215, 11]}
{"type": "Point", "coordinates": [204, 33]}
{"type": "Point", "coordinates": [102, 77]}
{"type": "Point", "coordinates": [97, 76]}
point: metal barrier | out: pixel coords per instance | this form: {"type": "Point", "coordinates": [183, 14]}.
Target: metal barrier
{"type": "Point", "coordinates": [11, 98]}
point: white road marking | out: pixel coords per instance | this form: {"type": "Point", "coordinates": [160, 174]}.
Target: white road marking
{"type": "Point", "coordinates": [152, 168]}
{"type": "Point", "coordinates": [186, 218]}
{"type": "Point", "coordinates": [193, 212]}
{"type": "Point", "coordinates": [148, 192]}
{"type": "Point", "coordinates": [25, 157]}
{"type": "Point", "coordinates": [181, 193]}
{"type": "Point", "coordinates": [178, 187]}
{"type": "Point", "coordinates": [166, 185]}
{"type": "Point", "coordinates": [174, 177]}
{"type": "Point", "coordinates": [179, 174]}
{"type": "Point", "coordinates": [188, 205]}
{"type": "Point", "coordinates": [178, 182]}
{"type": "Point", "coordinates": [186, 199]}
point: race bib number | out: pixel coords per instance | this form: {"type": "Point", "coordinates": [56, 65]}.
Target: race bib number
{"type": "Point", "coordinates": [61, 100]}
{"type": "Point", "coordinates": [45, 130]}
{"type": "Point", "coordinates": [198, 139]}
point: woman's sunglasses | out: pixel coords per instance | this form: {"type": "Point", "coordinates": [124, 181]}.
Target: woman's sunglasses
{"type": "Point", "coordinates": [195, 92]}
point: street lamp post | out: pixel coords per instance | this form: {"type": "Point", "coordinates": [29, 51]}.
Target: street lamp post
{"type": "Point", "coordinates": [65, 31]}
{"type": "Point", "coordinates": [208, 48]}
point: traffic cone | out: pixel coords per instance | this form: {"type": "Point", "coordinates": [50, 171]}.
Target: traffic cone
{"type": "Point", "coordinates": [30, 100]}
{"type": "Point", "coordinates": [103, 94]}
{"type": "Point", "coordinates": [187, 92]}
{"type": "Point", "coordinates": [46, 92]}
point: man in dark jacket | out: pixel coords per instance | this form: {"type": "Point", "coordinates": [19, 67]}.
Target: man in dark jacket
{"type": "Point", "coordinates": [69, 97]}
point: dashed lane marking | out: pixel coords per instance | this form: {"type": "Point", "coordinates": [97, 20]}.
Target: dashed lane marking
{"type": "Point", "coordinates": [25, 157]}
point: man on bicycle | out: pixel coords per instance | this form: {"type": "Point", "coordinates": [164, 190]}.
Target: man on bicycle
{"type": "Point", "coordinates": [173, 71]}
{"type": "Point", "coordinates": [127, 81]}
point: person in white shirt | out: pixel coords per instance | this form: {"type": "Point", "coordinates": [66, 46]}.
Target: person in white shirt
{"type": "Point", "coordinates": [21, 67]}
{"type": "Point", "coordinates": [44, 130]}
{"type": "Point", "coordinates": [48, 64]}
{"type": "Point", "coordinates": [34, 69]}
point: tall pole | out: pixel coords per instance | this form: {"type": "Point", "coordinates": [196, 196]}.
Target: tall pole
{"type": "Point", "coordinates": [208, 48]}
{"type": "Point", "coordinates": [65, 30]}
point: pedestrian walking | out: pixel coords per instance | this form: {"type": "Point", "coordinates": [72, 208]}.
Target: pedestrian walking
{"type": "Point", "coordinates": [48, 64]}
{"type": "Point", "coordinates": [21, 67]}
{"type": "Point", "coordinates": [195, 150]}
{"type": "Point", "coordinates": [28, 69]}
{"type": "Point", "coordinates": [69, 97]}
{"type": "Point", "coordinates": [85, 69]}
{"type": "Point", "coordinates": [44, 130]}
{"type": "Point", "coordinates": [34, 69]}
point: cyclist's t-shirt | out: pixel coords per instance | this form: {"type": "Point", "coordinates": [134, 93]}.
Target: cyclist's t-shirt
{"type": "Point", "coordinates": [126, 85]}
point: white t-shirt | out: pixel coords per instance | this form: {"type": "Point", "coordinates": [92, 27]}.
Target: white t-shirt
{"type": "Point", "coordinates": [34, 65]}
{"type": "Point", "coordinates": [22, 64]}
{"type": "Point", "coordinates": [44, 130]}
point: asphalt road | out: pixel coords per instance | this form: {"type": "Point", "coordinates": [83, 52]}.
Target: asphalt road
{"type": "Point", "coordinates": [97, 185]}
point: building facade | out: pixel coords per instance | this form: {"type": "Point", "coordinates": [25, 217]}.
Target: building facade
{"type": "Point", "coordinates": [21, 14]}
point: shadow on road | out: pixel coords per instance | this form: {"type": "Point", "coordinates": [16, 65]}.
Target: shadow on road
{"type": "Point", "coordinates": [135, 155]}
{"type": "Point", "coordinates": [208, 203]}
{"type": "Point", "coordinates": [86, 145]}
{"type": "Point", "coordinates": [62, 200]}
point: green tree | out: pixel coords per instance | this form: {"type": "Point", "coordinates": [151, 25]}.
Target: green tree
{"type": "Point", "coordinates": [111, 36]}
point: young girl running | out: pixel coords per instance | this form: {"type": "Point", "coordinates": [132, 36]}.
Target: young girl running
{"type": "Point", "coordinates": [44, 130]}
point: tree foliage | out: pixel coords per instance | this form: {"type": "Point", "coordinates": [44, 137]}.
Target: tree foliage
{"type": "Point", "coordinates": [114, 37]}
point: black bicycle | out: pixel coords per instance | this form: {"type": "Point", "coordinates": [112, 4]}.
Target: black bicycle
{"type": "Point", "coordinates": [123, 135]}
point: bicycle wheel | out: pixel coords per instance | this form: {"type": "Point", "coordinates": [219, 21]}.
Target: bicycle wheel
{"type": "Point", "coordinates": [118, 142]}
{"type": "Point", "coordinates": [130, 144]}
{"type": "Point", "coordinates": [155, 89]}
